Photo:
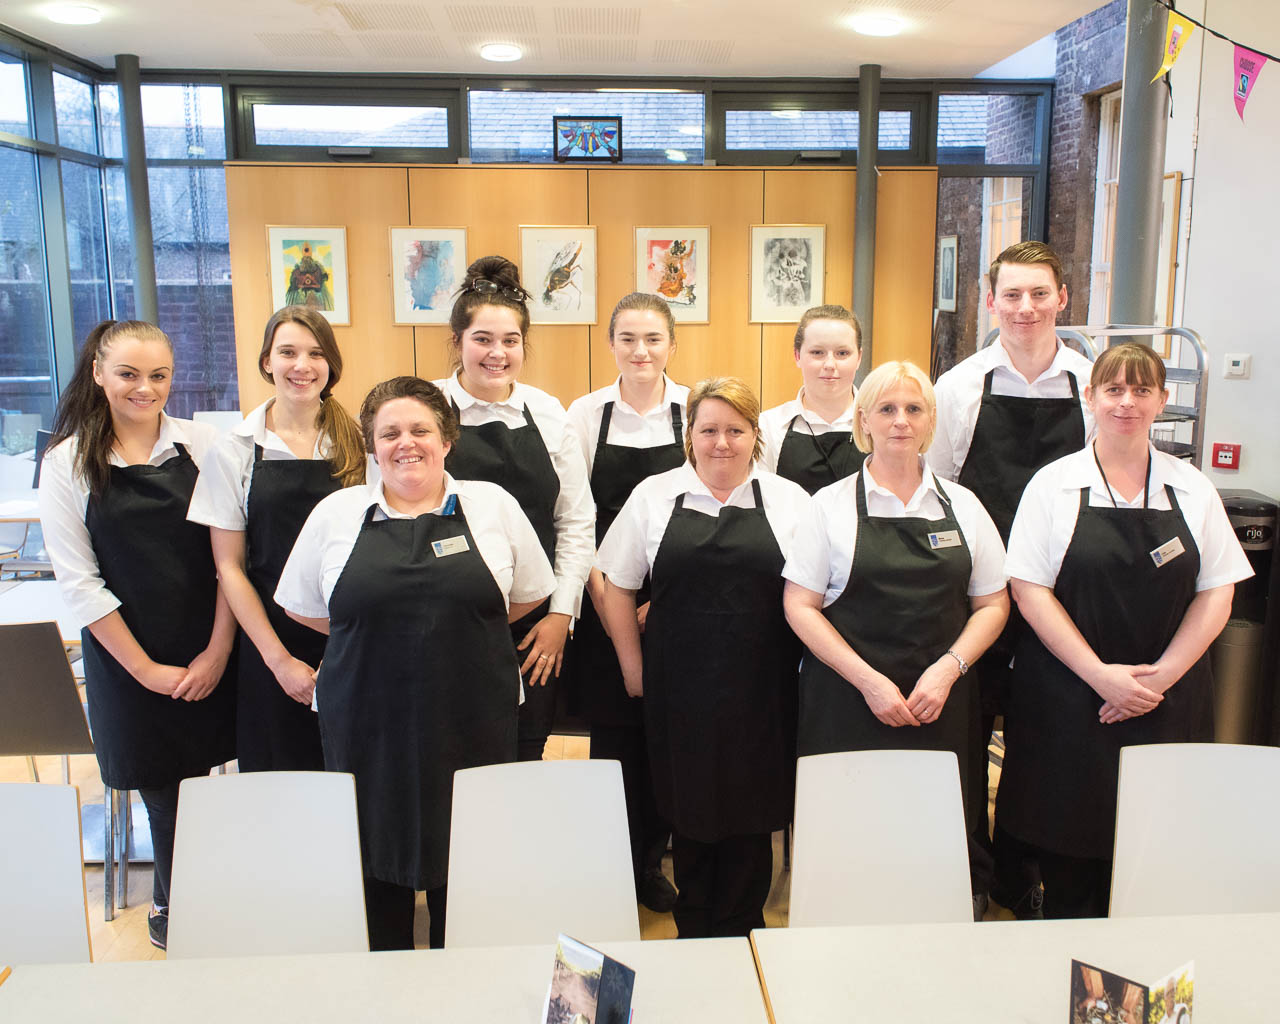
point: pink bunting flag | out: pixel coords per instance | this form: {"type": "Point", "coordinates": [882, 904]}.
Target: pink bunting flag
{"type": "Point", "coordinates": [1248, 67]}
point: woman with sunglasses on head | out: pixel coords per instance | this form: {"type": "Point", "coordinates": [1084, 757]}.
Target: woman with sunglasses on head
{"type": "Point", "coordinates": [255, 491]}
{"type": "Point", "coordinates": [810, 438]}
{"type": "Point", "coordinates": [114, 489]}
{"type": "Point", "coordinates": [1123, 562]}
{"type": "Point", "coordinates": [629, 431]}
{"type": "Point", "coordinates": [519, 437]}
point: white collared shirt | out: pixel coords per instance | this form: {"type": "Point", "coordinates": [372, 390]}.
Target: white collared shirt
{"type": "Point", "coordinates": [575, 511]}
{"type": "Point", "coordinates": [501, 531]}
{"type": "Point", "coordinates": [631, 545]}
{"type": "Point", "coordinates": [775, 422]}
{"type": "Point", "coordinates": [221, 496]}
{"type": "Point", "coordinates": [822, 551]}
{"type": "Point", "coordinates": [959, 397]}
{"type": "Point", "coordinates": [1046, 519]}
{"type": "Point", "coordinates": [64, 501]}
{"type": "Point", "coordinates": [627, 427]}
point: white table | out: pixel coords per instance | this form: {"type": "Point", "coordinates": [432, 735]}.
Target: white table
{"type": "Point", "coordinates": [1009, 971]}
{"type": "Point", "coordinates": [39, 601]}
{"type": "Point", "coordinates": [704, 981]}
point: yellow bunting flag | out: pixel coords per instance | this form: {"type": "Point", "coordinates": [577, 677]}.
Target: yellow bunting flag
{"type": "Point", "coordinates": [1176, 33]}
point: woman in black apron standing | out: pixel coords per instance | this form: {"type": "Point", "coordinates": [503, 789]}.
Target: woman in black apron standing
{"type": "Point", "coordinates": [1123, 563]}
{"type": "Point", "coordinates": [629, 431]}
{"type": "Point", "coordinates": [718, 664]}
{"type": "Point", "coordinates": [896, 585]}
{"type": "Point", "coordinates": [810, 438]}
{"type": "Point", "coordinates": [256, 490]}
{"type": "Point", "coordinates": [114, 490]}
{"type": "Point", "coordinates": [414, 580]}
{"type": "Point", "coordinates": [519, 437]}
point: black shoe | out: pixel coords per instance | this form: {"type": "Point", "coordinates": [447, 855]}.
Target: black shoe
{"type": "Point", "coordinates": [980, 903]}
{"type": "Point", "coordinates": [656, 893]}
{"type": "Point", "coordinates": [158, 927]}
{"type": "Point", "coordinates": [1030, 906]}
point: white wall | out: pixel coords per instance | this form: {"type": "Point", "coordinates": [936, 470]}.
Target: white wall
{"type": "Point", "coordinates": [1231, 266]}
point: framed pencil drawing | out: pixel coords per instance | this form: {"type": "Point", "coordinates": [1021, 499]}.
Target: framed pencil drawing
{"type": "Point", "coordinates": [788, 271]}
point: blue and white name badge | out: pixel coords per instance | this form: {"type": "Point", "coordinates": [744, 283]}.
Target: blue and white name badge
{"type": "Point", "coordinates": [1167, 552]}
{"type": "Point", "coordinates": [945, 539]}
{"type": "Point", "coordinates": [450, 546]}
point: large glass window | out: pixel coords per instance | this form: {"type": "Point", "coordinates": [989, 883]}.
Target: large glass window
{"type": "Point", "coordinates": [995, 128]}
{"type": "Point", "coordinates": [73, 105]}
{"type": "Point", "coordinates": [296, 124]}
{"type": "Point", "coordinates": [86, 246]}
{"type": "Point", "coordinates": [14, 117]}
{"type": "Point", "coordinates": [109, 129]}
{"type": "Point", "coordinates": [658, 126]}
{"type": "Point", "coordinates": [183, 122]}
{"type": "Point", "coordinates": [811, 129]}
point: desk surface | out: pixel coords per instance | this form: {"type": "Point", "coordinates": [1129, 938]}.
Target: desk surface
{"type": "Point", "coordinates": [39, 601]}
{"type": "Point", "coordinates": [19, 506]}
{"type": "Point", "coordinates": [1009, 971]}
{"type": "Point", "coordinates": [704, 981]}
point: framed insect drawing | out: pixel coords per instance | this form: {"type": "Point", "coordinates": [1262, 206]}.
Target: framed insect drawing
{"type": "Point", "coordinates": [558, 268]}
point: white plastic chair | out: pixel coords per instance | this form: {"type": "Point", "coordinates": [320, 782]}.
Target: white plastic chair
{"type": "Point", "coordinates": [267, 862]}
{"type": "Point", "coordinates": [44, 916]}
{"type": "Point", "coordinates": [538, 848]}
{"type": "Point", "coordinates": [1197, 830]}
{"type": "Point", "coordinates": [879, 839]}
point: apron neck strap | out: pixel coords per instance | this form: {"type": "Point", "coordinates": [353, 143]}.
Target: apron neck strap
{"type": "Point", "coordinates": [1146, 486]}
{"type": "Point", "coordinates": [677, 423]}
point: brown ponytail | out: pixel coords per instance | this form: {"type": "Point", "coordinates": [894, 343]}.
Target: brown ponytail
{"type": "Point", "coordinates": [83, 411]}
{"type": "Point", "coordinates": [346, 454]}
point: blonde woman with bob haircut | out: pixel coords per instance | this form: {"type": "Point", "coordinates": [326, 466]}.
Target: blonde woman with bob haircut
{"type": "Point", "coordinates": [717, 667]}
{"type": "Point", "coordinates": [895, 585]}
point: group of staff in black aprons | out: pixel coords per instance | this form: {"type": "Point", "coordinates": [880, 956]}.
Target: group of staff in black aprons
{"type": "Point", "coordinates": [447, 578]}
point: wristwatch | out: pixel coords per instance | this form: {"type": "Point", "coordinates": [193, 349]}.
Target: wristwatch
{"type": "Point", "coordinates": [964, 665]}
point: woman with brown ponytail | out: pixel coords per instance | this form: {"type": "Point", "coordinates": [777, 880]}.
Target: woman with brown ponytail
{"type": "Point", "coordinates": [256, 490]}
{"type": "Point", "coordinates": [114, 491]}
{"type": "Point", "coordinates": [520, 438]}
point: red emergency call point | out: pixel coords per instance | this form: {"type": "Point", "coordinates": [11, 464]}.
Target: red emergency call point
{"type": "Point", "coordinates": [1226, 456]}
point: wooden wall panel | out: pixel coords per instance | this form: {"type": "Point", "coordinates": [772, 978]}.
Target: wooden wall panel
{"type": "Point", "coordinates": [906, 220]}
{"type": "Point", "coordinates": [727, 200]}
{"type": "Point", "coordinates": [807, 196]}
{"type": "Point", "coordinates": [492, 203]}
{"type": "Point", "coordinates": [364, 199]}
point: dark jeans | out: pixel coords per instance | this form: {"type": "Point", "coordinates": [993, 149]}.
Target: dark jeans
{"type": "Point", "coordinates": [162, 813]}
{"type": "Point", "coordinates": [649, 832]}
{"type": "Point", "coordinates": [389, 910]}
{"type": "Point", "coordinates": [723, 885]}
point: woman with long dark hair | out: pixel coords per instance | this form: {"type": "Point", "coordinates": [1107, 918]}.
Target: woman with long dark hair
{"type": "Point", "coordinates": [114, 490]}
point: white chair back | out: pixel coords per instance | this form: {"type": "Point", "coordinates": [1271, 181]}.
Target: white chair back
{"type": "Point", "coordinates": [43, 914]}
{"type": "Point", "coordinates": [267, 862]}
{"type": "Point", "coordinates": [538, 848]}
{"type": "Point", "coordinates": [1197, 830]}
{"type": "Point", "coordinates": [879, 839]}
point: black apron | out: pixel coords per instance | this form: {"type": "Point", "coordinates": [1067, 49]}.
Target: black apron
{"type": "Point", "coordinates": [905, 604]}
{"type": "Point", "coordinates": [817, 460]}
{"type": "Point", "coordinates": [720, 666]}
{"type": "Point", "coordinates": [273, 731]}
{"type": "Point", "coordinates": [161, 568]}
{"type": "Point", "coordinates": [1058, 785]}
{"type": "Point", "coordinates": [615, 472]}
{"type": "Point", "coordinates": [418, 681]}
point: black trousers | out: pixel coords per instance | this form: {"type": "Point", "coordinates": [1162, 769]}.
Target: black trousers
{"type": "Point", "coordinates": [389, 910]}
{"type": "Point", "coordinates": [649, 831]}
{"type": "Point", "coordinates": [1075, 886]}
{"type": "Point", "coordinates": [536, 714]}
{"type": "Point", "coordinates": [162, 813]}
{"type": "Point", "coordinates": [722, 885]}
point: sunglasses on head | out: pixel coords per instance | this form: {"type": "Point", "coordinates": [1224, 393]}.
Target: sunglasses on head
{"type": "Point", "coordinates": [483, 286]}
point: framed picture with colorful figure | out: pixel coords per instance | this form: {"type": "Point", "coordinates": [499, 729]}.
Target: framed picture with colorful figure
{"type": "Point", "coordinates": [594, 139]}
{"type": "Point", "coordinates": [788, 271]}
{"type": "Point", "coordinates": [558, 268]}
{"type": "Point", "coordinates": [308, 267]}
{"type": "Point", "coordinates": [675, 263]}
{"type": "Point", "coordinates": [427, 268]}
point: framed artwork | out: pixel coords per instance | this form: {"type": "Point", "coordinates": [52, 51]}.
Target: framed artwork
{"type": "Point", "coordinates": [593, 139]}
{"type": "Point", "coordinates": [558, 268]}
{"type": "Point", "coordinates": [788, 271]}
{"type": "Point", "coordinates": [427, 268]}
{"type": "Point", "coordinates": [947, 252]}
{"type": "Point", "coordinates": [308, 267]}
{"type": "Point", "coordinates": [675, 263]}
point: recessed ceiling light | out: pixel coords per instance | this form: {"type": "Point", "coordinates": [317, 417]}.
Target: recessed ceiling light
{"type": "Point", "coordinates": [678, 155]}
{"type": "Point", "coordinates": [74, 14]}
{"type": "Point", "coordinates": [877, 24]}
{"type": "Point", "coordinates": [501, 52]}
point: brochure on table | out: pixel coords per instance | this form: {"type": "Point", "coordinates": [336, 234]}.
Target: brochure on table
{"type": "Point", "coordinates": [1101, 997]}
{"type": "Point", "coordinates": [587, 987]}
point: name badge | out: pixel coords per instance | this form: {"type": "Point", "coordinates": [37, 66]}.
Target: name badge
{"type": "Point", "coordinates": [945, 539]}
{"type": "Point", "coordinates": [1167, 552]}
{"type": "Point", "coordinates": [450, 546]}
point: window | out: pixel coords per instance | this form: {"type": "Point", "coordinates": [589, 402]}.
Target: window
{"type": "Point", "coordinates": [658, 126]}
{"type": "Point", "coordinates": [86, 246]}
{"type": "Point", "coordinates": [280, 124]}
{"type": "Point", "coordinates": [14, 117]}
{"type": "Point", "coordinates": [810, 129]}
{"type": "Point", "coordinates": [992, 128]}
{"type": "Point", "coordinates": [1006, 208]}
{"type": "Point", "coordinates": [183, 122]}
{"type": "Point", "coordinates": [73, 106]}
{"type": "Point", "coordinates": [1104, 210]}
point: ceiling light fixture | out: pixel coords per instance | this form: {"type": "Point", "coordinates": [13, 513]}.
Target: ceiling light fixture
{"type": "Point", "coordinates": [877, 24]}
{"type": "Point", "coordinates": [74, 14]}
{"type": "Point", "coordinates": [501, 52]}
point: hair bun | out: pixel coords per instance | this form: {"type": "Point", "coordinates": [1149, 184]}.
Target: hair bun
{"type": "Point", "coordinates": [498, 269]}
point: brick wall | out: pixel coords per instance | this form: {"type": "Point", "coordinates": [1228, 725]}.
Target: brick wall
{"type": "Point", "coordinates": [960, 214]}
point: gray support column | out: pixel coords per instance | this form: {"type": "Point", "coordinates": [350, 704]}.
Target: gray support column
{"type": "Point", "coordinates": [864, 224]}
{"type": "Point", "coordinates": [1144, 119]}
{"type": "Point", "coordinates": [145, 297]}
